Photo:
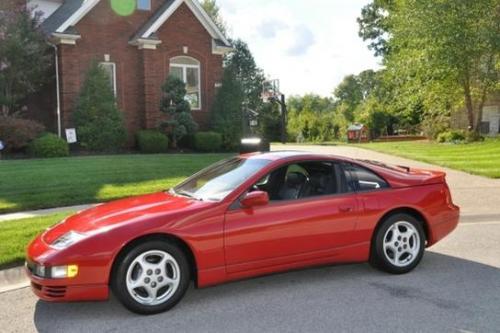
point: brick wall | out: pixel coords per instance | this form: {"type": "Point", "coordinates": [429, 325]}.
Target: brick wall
{"type": "Point", "coordinates": [140, 73]}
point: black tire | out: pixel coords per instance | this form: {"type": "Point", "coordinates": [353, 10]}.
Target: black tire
{"type": "Point", "coordinates": [119, 278]}
{"type": "Point", "coordinates": [381, 259]}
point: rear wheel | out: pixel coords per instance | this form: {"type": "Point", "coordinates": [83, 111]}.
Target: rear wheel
{"type": "Point", "coordinates": [152, 277]}
{"type": "Point", "coordinates": [398, 245]}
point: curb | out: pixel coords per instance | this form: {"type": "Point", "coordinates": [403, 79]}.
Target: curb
{"type": "Point", "coordinates": [12, 279]}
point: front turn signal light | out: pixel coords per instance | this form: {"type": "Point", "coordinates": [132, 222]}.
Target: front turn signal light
{"type": "Point", "coordinates": [62, 272]}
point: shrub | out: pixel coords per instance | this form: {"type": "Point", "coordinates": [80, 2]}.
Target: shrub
{"type": "Point", "coordinates": [98, 121]}
{"type": "Point", "coordinates": [187, 142]}
{"type": "Point", "coordinates": [17, 133]}
{"type": "Point", "coordinates": [180, 121]}
{"type": "Point", "coordinates": [451, 136]}
{"type": "Point", "coordinates": [152, 142]}
{"type": "Point", "coordinates": [207, 141]}
{"type": "Point", "coordinates": [473, 136]}
{"type": "Point", "coordinates": [49, 145]}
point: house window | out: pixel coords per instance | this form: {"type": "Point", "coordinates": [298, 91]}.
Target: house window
{"type": "Point", "coordinates": [144, 4]}
{"type": "Point", "coordinates": [110, 69]}
{"type": "Point", "coordinates": [188, 70]}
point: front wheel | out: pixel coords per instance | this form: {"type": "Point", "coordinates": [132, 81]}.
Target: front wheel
{"type": "Point", "coordinates": [151, 278]}
{"type": "Point", "coordinates": [398, 245]}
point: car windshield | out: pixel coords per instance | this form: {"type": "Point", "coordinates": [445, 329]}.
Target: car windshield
{"type": "Point", "coordinates": [217, 181]}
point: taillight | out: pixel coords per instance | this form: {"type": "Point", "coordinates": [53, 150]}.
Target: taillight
{"type": "Point", "coordinates": [447, 193]}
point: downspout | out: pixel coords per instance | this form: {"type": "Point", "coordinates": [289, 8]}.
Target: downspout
{"type": "Point", "coordinates": [58, 93]}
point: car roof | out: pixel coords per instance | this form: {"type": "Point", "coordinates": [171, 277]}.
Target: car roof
{"type": "Point", "coordinates": [292, 155]}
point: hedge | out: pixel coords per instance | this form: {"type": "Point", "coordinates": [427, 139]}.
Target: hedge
{"type": "Point", "coordinates": [152, 142]}
{"type": "Point", "coordinates": [49, 145]}
{"type": "Point", "coordinates": [207, 141]}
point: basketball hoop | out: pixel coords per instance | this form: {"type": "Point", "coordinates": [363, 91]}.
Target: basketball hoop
{"type": "Point", "coordinates": [270, 90]}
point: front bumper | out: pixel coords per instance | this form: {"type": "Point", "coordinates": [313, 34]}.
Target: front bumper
{"type": "Point", "coordinates": [64, 290]}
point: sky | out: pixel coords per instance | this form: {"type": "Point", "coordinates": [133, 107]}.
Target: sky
{"type": "Point", "coordinates": [309, 45]}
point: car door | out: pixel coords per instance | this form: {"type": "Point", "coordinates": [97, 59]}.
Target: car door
{"type": "Point", "coordinates": [288, 231]}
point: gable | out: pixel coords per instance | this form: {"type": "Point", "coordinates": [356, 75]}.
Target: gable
{"type": "Point", "coordinates": [62, 22]}
{"type": "Point", "coordinates": [148, 31]}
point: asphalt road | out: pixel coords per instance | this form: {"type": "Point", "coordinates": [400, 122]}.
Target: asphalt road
{"type": "Point", "coordinates": [456, 288]}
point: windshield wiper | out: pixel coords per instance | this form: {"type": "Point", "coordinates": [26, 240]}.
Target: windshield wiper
{"type": "Point", "coordinates": [188, 195]}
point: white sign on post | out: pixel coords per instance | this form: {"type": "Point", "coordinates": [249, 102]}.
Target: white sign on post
{"type": "Point", "coordinates": [71, 135]}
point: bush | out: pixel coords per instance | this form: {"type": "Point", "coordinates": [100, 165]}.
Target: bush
{"type": "Point", "coordinates": [473, 136]}
{"type": "Point", "coordinates": [17, 133]}
{"type": "Point", "coordinates": [207, 141]}
{"type": "Point", "coordinates": [49, 145]}
{"type": "Point", "coordinates": [451, 137]}
{"type": "Point", "coordinates": [152, 142]}
{"type": "Point", "coordinates": [187, 142]}
{"type": "Point", "coordinates": [98, 121]}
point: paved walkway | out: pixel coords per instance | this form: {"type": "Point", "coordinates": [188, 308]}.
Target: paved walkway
{"type": "Point", "coordinates": [478, 197]}
{"type": "Point", "coordinates": [41, 212]}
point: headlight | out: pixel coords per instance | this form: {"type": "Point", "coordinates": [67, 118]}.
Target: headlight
{"type": "Point", "coordinates": [61, 272]}
{"type": "Point", "coordinates": [67, 240]}
{"type": "Point", "coordinates": [54, 272]}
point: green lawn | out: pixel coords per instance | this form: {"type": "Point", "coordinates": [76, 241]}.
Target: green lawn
{"type": "Point", "coordinates": [15, 236]}
{"type": "Point", "coordinates": [482, 158]}
{"type": "Point", "coordinates": [46, 183]}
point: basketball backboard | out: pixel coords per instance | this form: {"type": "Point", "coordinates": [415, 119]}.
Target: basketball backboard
{"type": "Point", "coordinates": [270, 89]}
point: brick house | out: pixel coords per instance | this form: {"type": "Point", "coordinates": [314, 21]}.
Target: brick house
{"type": "Point", "coordinates": [139, 43]}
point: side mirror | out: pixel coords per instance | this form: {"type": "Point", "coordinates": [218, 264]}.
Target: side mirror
{"type": "Point", "coordinates": [254, 199]}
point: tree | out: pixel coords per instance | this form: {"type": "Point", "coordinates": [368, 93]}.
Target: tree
{"type": "Point", "coordinates": [354, 90]}
{"type": "Point", "coordinates": [98, 121]}
{"type": "Point", "coordinates": [25, 58]}
{"type": "Point", "coordinates": [445, 51]}
{"type": "Point", "coordinates": [374, 26]}
{"type": "Point", "coordinates": [174, 104]}
{"type": "Point", "coordinates": [241, 87]}
{"type": "Point", "coordinates": [457, 46]}
{"type": "Point", "coordinates": [242, 64]}
{"type": "Point", "coordinates": [312, 118]}
{"type": "Point", "coordinates": [213, 11]}
{"type": "Point", "coordinates": [228, 114]}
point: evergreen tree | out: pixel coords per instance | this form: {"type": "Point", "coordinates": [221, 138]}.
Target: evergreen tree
{"type": "Point", "coordinates": [25, 58]}
{"type": "Point", "coordinates": [98, 121]}
{"type": "Point", "coordinates": [241, 87]}
{"type": "Point", "coordinates": [174, 104]}
{"type": "Point", "coordinates": [227, 114]}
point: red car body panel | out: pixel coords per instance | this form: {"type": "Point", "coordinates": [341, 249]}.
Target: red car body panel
{"type": "Point", "coordinates": [231, 243]}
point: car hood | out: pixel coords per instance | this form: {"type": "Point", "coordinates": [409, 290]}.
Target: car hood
{"type": "Point", "coordinates": [109, 215]}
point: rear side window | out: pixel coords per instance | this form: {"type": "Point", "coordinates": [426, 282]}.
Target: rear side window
{"type": "Point", "coordinates": [362, 179]}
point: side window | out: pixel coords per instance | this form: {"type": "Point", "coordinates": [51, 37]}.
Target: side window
{"type": "Point", "coordinates": [362, 179]}
{"type": "Point", "coordinates": [302, 180]}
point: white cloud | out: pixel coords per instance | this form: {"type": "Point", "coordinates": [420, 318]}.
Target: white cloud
{"type": "Point", "coordinates": [304, 40]}
{"type": "Point", "coordinates": [270, 28]}
{"type": "Point", "coordinates": [309, 45]}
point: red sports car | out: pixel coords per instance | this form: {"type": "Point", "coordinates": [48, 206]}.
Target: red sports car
{"type": "Point", "coordinates": [245, 216]}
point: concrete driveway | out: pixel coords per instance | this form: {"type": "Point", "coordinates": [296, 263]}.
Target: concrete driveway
{"type": "Point", "coordinates": [455, 289]}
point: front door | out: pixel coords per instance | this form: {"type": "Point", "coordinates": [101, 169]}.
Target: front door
{"type": "Point", "coordinates": [309, 216]}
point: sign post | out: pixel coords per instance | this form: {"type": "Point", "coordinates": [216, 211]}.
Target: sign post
{"type": "Point", "coordinates": [71, 135]}
{"type": "Point", "coordinates": [271, 93]}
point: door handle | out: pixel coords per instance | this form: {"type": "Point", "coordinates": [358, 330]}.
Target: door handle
{"type": "Point", "coordinates": [345, 209]}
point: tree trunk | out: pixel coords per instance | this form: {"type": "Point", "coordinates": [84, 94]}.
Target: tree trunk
{"type": "Point", "coordinates": [479, 114]}
{"type": "Point", "coordinates": [469, 105]}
